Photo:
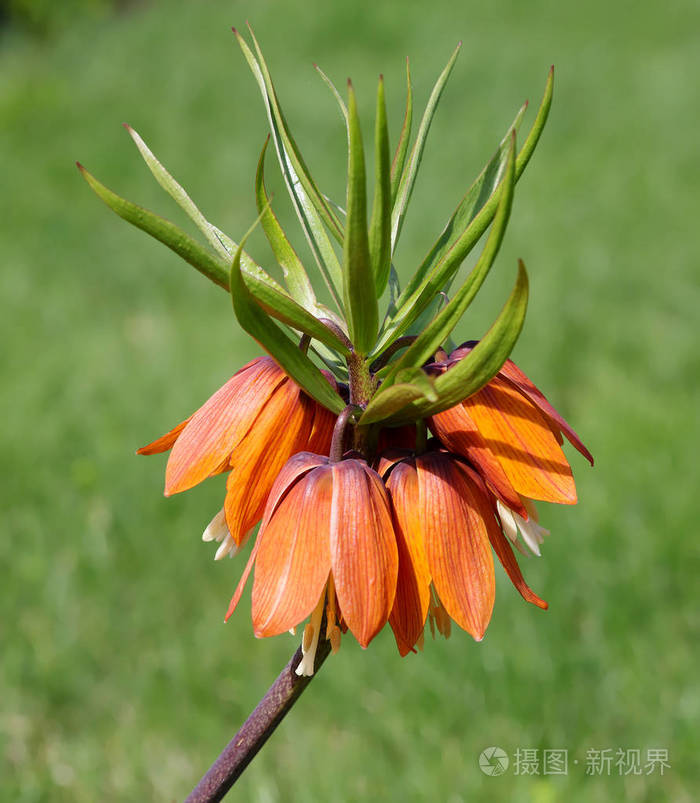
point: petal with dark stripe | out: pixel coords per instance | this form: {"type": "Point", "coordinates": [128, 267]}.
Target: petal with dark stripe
{"type": "Point", "coordinates": [220, 424]}
{"type": "Point", "coordinates": [364, 555]}
{"type": "Point", "coordinates": [410, 609]}
{"type": "Point", "coordinates": [522, 440]}
{"type": "Point", "coordinates": [293, 561]}
{"type": "Point", "coordinates": [455, 516]}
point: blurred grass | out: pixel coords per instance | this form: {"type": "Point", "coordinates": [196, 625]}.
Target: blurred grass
{"type": "Point", "coordinates": [118, 680]}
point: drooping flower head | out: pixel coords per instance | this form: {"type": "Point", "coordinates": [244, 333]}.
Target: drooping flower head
{"type": "Point", "coordinates": [354, 533]}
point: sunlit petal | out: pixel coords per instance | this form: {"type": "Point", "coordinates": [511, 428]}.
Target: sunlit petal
{"type": "Point", "coordinates": [220, 424]}
{"type": "Point", "coordinates": [455, 519]}
{"type": "Point", "coordinates": [281, 429]}
{"type": "Point", "coordinates": [459, 432]}
{"type": "Point", "coordinates": [166, 441]}
{"type": "Point", "coordinates": [410, 609]}
{"type": "Point", "coordinates": [513, 374]}
{"type": "Point", "coordinates": [518, 435]}
{"type": "Point", "coordinates": [363, 549]}
{"type": "Point", "coordinates": [293, 559]}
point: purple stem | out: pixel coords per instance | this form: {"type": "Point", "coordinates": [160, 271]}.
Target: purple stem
{"type": "Point", "coordinates": [258, 728]}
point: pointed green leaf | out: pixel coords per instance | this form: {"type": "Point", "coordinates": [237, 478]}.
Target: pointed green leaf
{"type": "Point", "coordinates": [483, 187]}
{"type": "Point", "coordinates": [311, 222]}
{"type": "Point", "coordinates": [404, 138]}
{"type": "Point", "coordinates": [380, 224]}
{"type": "Point", "coordinates": [412, 386]}
{"type": "Point", "coordinates": [297, 281]}
{"type": "Point", "coordinates": [408, 177]}
{"type": "Point", "coordinates": [341, 103]}
{"type": "Point", "coordinates": [179, 195]}
{"type": "Point", "coordinates": [277, 304]}
{"type": "Point", "coordinates": [418, 294]}
{"type": "Point", "coordinates": [435, 334]}
{"type": "Point", "coordinates": [358, 281]}
{"type": "Point", "coordinates": [268, 293]}
{"type": "Point", "coordinates": [291, 148]}
{"type": "Point", "coordinates": [168, 233]}
{"type": "Point", "coordinates": [481, 364]}
{"type": "Point", "coordinates": [287, 354]}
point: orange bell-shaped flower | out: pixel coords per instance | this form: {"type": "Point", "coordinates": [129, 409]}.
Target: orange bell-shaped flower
{"type": "Point", "coordinates": [251, 426]}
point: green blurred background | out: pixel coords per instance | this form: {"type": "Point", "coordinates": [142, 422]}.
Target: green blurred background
{"type": "Point", "coordinates": [118, 679]}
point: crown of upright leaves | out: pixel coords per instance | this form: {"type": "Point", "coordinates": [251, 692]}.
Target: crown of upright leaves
{"type": "Point", "coordinates": [352, 248]}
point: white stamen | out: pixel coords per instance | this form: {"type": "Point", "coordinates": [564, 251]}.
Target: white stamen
{"type": "Point", "coordinates": [228, 547]}
{"type": "Point", "coordinates": [508, 522]}
{"type": "Point", "coordinates": [216, 529]}
{"type": "Point", "coordinates": [531, 532]}
{"type": "Point", "coordinates": [310, 640]}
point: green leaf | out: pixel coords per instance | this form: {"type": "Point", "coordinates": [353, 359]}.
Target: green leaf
{"type": "Point", "coordinates": [402, 148]}
{"type": "Point", "coordinates": [311, 222]}
{"type": "Point", "coordinates": [163, 230]}
{"type": "Point", "coordinates": [180, 196]}
{"type": "Point", "coordinates": [380, 224]}
{"type": "Point", "coordinates": [411, 386]}
{"type": "Point", "coordinates": [358, 281]}
{"type": "Point", "coordinates": [420, 291]}
{"type": "Point", "coordinates": [295, 276]}
{"type": "Point", "coordinates": [287, 354]}
{"type": "Point", "coordinates": [481, 364]}
{"type": "Point", "coordinates": [290, 145]}
{"type": "Point", "coordinates": [276, 303]}
{"type": "Point", "coordinates": [435, 334]}
{"type": "Point", "coordinates": [341, 103]}
{"type": "Point", "coordinates": [408, 177]}
{"type": "Point", "coordinates": [269, 294]}
{"type": "Point", "coordinates": [483, 187]}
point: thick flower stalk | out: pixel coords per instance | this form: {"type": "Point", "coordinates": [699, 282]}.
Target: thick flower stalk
{"type": "Point", "coordinates": [384, 472]}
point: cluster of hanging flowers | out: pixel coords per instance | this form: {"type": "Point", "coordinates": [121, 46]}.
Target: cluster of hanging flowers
{"type": "Point", "coordinates": [383, 472]}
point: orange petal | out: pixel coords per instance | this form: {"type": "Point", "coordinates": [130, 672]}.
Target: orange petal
{"type": "Point", "coordinates": [236, 598]}
{"type": "Point", "coordinates": [294, 557]}
{"type": "Point", "coordinates": [513, 374]}
{"type": "Point", "coordinates": [520, 437]}
{"type": "Point", "coordinates": [459, 433]}
{"type": "Point", "coordinates": [166, 441]}
{"type": "Point", "coordinates": [364, 555]}
{"type": "Point", "coordinates": [281, 429]}
{"type": "Point", "coordinates": [220, 424]}
{"type": "Point", "coordinates": [387, 460]}
{"type": "Point", "coordinates": [322, 431]}
{"type": "Point", "coordinates": [455, 516]}
{"type": "Point", "coordinates": [410, 609]}
{"type": "Point", "coordinates": [297, 465]}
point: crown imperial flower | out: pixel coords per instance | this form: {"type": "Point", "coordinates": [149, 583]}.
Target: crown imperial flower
{"type": "Point", "coordinates": [364, 519]}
